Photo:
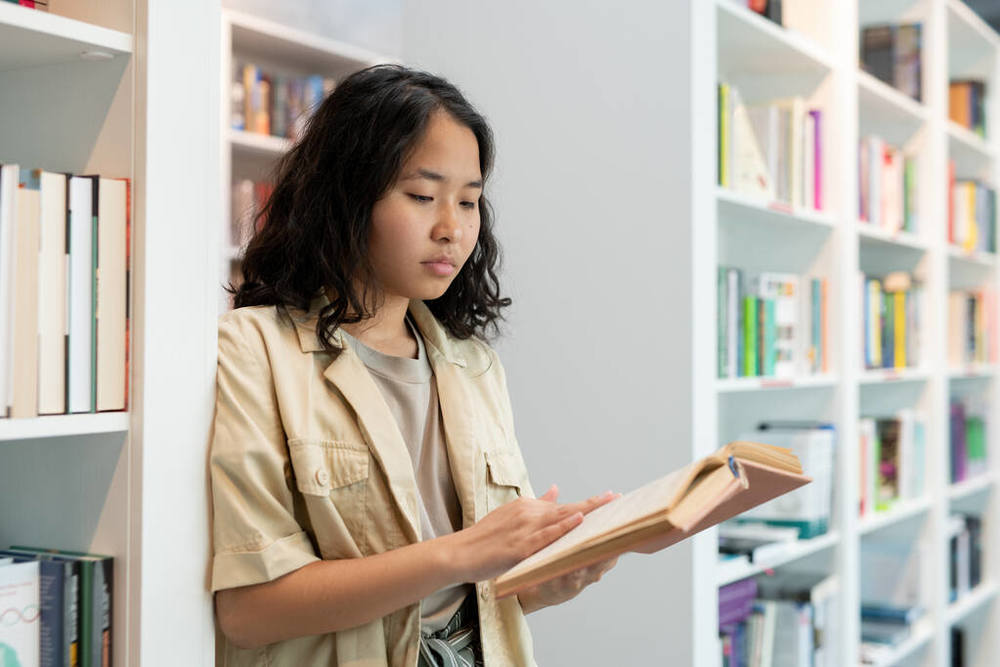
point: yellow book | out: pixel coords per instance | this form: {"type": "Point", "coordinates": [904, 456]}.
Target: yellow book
{"type": "Point", "coordinates": [723, 134]}
{"type": "Point", "coordinates": [899, 329]}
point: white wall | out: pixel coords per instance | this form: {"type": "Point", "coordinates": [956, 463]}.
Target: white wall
{"type": "Point", "coordinates": [591, 106]}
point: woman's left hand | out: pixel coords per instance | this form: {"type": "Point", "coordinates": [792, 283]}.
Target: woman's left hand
{"type": "Point", "coordinates": [561, 589]}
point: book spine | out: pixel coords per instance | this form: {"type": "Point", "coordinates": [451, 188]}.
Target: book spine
{"type": "Point", "coordinates": [749, 336]}
{"type": "Point", "coordinates": [817, 115]}
{"type": "Point", "coordinates": [722, 324]}
{"type": "Point", "coordinates": [899, 306]}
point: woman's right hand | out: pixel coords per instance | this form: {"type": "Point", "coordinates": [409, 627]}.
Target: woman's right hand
{"type": "Point", "coordinates": [511, 533]}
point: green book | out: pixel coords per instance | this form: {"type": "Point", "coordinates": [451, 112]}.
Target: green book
{"type": "Point", "coordinates": [749, 336]}
{"type": "Point", "coordinates": [770, 338]}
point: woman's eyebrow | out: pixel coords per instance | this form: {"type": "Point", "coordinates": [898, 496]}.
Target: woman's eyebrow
{"type": "Point", "coordinates": [440, 178]}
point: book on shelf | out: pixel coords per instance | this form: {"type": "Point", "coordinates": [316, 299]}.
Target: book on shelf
{"type": "Point", "coordinates": [41, 5]}
{"type": "Point", "coordinates": [758, 543]}
{"type": "Point", "coordinates": [20, 631]}
{"type": "Point", "coordinates": [887, 186]}
{"type": "Point", "coordinates": [892, 453]}
{"type": "Point", "coordinates": [967, 104]}
{"type": "Point", "coordinates": [770, 324]}
{"type": "Point", "coordinates": [64, 247]}
{"type": "Point", "coordinates": [734, 478]}
{"type": "Point", "coordinates": [971, 214]}
{"type": "Point", "coordinates": [892, 54]}
{"type": "Point", "coordinates": [965, 553]}
{"type": "Point", "coordinates": [807, 509]}
{"type": "Point", "coordinates": [967, 441]}
{"type": "Point", "coordinates": [94, 600]}
{"type": "Point", "coordinates": [972, 327]}
{"type": "Point", "coordinates": [248, 200]}
{"type": "Point", "coordinates": [273, 103]}
{"type": "Point", "coordinates": [785, 619]}
{"type": "Point", "coordinates": [891, 308]}
{"type": "Point", "coordinates": [771, 151]}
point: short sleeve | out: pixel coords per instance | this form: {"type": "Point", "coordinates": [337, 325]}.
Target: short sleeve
{"type": "Point", "coordinates": [256, 535]}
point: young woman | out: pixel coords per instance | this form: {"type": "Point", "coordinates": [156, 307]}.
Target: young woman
{"type": "Point", "coordinates": [367, 483]}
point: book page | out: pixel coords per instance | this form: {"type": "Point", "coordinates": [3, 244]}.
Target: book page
{"type": "Point", "coordinates": [647, 500]}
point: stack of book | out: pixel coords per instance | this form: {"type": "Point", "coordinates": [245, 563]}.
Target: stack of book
{"type": "Point", "coordinates": [893, 455]}
{"type": "Point", "coordinates": [967, 439]}
{"type": "Point", "coordinates": [249, 198]}
{"type": "Point", "coordinates": [778, 620]}
{"type": "Point", "coordinates": [885, 626]}
{"type": "Point", "coordinates": [275, 104]}
{"type": "Point", "coordinates": [772, 151]}
{"type": "Point", "coordinates": [58, 607]}
{"type": "Point", "coordinates": [965, 552]}
{"type": "Point", "coordinates": [771, 324]}
{"type": "Point", "coordinates": [967, 104]}
{"type": "Point", "coordinates": [891, 320]}
{"type": "Point", "coordinates": [971, 214]}
{"type": "Point", "coordinates": [32, 4]}
{"type": "Point", "coordinates": [972, 327]}
{"type": "Point", "coordinates": [806, 509]}
{"type": "Point", "coordinates": [892, 54]}
{"type": "Point", "coordinates": [887, 186]}
{"type": "Point", "coordinates": [64, 274]}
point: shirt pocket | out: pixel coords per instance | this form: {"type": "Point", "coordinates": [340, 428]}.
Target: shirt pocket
{"type": "Point", "coordinates": [332, 476]}
{"type": "Point", "coordinates": [504, 478]}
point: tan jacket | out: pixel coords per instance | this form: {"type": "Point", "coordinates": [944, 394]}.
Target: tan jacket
{"type": "Point", "coordinates": [307, 463]}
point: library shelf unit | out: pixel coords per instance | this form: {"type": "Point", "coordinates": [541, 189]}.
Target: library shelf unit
{"type": "Point", "coordinates": [247, 155]}
{"type": "Point", "coordinates": [816, 57]}
{"type": "Point", "coordinates": [93, 87]}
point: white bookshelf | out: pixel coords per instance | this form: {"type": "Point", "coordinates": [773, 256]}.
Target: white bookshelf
{"type": "Point", "coordinates": [93, 86]}
{"type": "Point", "coordinates": [817, 59]}
{"type": "Point", "coordinates": [274, 48]}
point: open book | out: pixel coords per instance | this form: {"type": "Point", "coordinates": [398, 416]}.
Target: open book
{"type": "Point", "coordinates": [733, 479]}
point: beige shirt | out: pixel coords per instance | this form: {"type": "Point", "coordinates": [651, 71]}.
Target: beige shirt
{"type": "Point", "coordinates": [409, 389]}
{"type": "Point", "coordinates": [307, 463]}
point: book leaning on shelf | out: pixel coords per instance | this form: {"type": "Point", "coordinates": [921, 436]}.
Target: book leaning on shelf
{"type": "Point", "coordinates": [64, 263]}
{"type": "Point", "coordinates": [736, 477]}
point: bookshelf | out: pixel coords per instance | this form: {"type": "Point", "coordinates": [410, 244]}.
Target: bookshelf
{"type": "Point", "coordinates": [816, 57]}
{"type": "Point", "coordinates": [274, 48]}
{"type": "Point", "coordinates": [93, 86]}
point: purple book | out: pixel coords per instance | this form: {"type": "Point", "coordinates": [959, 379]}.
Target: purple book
{"type": "Point", "coordinates": [736, 602]}
{"type": "Point", "coordinates": [818, 170]}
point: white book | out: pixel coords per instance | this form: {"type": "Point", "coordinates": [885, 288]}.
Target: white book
{"type": "Point", "coordinates": [875, 152]}
{"type": "Point", "coordinates": [906, 446]}
{"type": "Point", "coordinates": [52, 288]}
{"type": "Point", "coordinates": [20, 631]}
{"type": "Point", "coordinates": [733, 322]}
{"type": "Point", "coordinates": [82, 353]}
{"type": "Point", "coordinates": [869, 432]}
{"type": "Point", "coordinates": [24, 397]}
{"type": "Point", "coordinates": [111, 294]}
{"type": "Point", "coordinates": [750, 174]}
{"type": "Point", "coordinates": [8, 272]}
{"type": "Point", "coordinates": [809, 161]}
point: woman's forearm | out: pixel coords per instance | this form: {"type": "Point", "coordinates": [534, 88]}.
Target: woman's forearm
{"type": "Point", "coordinates": [331, 595]}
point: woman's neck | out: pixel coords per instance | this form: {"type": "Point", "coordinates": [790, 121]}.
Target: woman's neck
{"type": "Point", "coordinates": [386, 330]}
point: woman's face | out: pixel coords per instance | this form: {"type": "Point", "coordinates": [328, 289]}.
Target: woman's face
{"type": "Point", "coordinates": [426, 225]}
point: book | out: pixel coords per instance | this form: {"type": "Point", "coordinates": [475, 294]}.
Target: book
{"type": "Point", "coordinates": [52, 301]}
{"type": "Point", "coordinates": [734, 478]}
{"type": "Point", "coordinates": [9, 177]}
{"type": "Point", "coordinates": [112, 295]}
{"type": "Point", "coordinates": [82, 271]}
{"type": "Point", "coordinates": [24, 367]}
{"type": "Point", "coordinates": [20, 631]}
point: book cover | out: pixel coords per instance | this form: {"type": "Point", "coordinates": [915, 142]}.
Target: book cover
{"type": "Point", "coordinates": [20, 609]}
{"type": "Point", "coordinates": [52, 297]}
{"type": "Point", "coordinates": [24, 397]}
{"type": "Point", "coordinates": [112, 294]}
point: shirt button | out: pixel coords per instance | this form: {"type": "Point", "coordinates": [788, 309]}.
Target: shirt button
{"type": "Point", "coordinates": [484, 593]}
{"type": "Point", "coordinates": [322, 477]}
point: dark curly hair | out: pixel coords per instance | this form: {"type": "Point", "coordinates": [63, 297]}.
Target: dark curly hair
{"type": "Point", "coordinates": [313, 232]}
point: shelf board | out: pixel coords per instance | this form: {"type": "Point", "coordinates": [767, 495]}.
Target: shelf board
{"type": "Point", "coordinates": [796, 550]}
{"type": "Point", "coordinates": [972, 371]}
{"type": "Point", "coordinates": [978, 258]}
{"type": "Point", "coordinates": [871, 234]}
{"type": "Point", "coordinates": [305, 51]}
{"type": "Point", "coordinates": [260, 145]}
{"type": "Point", "coordinates": [902, 511]}
{"type": "Point", "coordinates": [971, 601]}
{"type": "Point", "coordinates": [60, 426]}
{"type": "Point", "coordinates": [887, 375]}
{"type": "Point", "coordinates": [921, 636]}
{"type": "Point", "coordinates": [748, 42]}
{"type": "Point", "coordinates": [752, 210]}
{"type": "Point", "coordinates": [969, 487]}
{"type": "Point", "coordinates": [887, 112]}
{"type": "Point", "coordinates": [31, 38]}
{"type": "Point", "coordinates": [748, 384]}
{"type": "Point", "coordinates": [972, 43]}
{"type": "Point", "coordinates": [967, 147]}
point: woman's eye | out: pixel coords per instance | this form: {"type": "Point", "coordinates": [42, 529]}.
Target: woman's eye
{"type": "Point", "coordinates": [468, 204]}
{"type": "Point", "coordinates": [421, 198]}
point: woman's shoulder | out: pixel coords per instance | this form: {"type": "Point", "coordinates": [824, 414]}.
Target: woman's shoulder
{"type": "Point", "coordinates": [260, 323]}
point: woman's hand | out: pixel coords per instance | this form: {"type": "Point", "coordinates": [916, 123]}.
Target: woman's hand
{"type": "Point", "coordinates": [511, 533]}
{"type": "Point", "coordinates": [561, 589]}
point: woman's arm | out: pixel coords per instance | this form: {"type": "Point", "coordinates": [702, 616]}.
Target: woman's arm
{"type": "Point", "coordinates": [327, 596]}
